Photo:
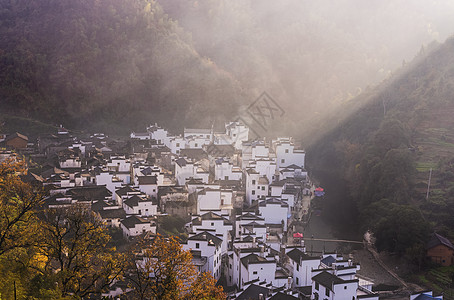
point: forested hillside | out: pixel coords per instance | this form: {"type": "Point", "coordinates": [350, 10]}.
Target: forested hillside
{"type": "Point", "coordinates": [379, 158]}
{"type": "Point", "coordinates": [110, 65]}
{"type": "Point", "coordinates": [119, 65]}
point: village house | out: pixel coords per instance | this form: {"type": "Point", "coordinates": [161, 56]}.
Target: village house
{"type": "Point", "coordinates": [224, 170]}
{"type": "Point", "coordinates": [286, 154]}
{"type": "Point", "coordinates": [302, 266]}
{"type": "Point", "coordinates": [213, 223]}
{"type": "Point", "coordinates": [133, 226]}
{"type": "Point", "coordinates": [210, 246]}
{"type": "Point", "coordinates": [16, 141]}
{"type": "Point", "coordinates": [440, 250]}
{"type": "Point", "coordinates": [140, 205]}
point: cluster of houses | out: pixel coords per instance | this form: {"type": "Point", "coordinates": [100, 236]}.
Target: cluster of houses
{"type": "Point", "coordinates": [238, 197]}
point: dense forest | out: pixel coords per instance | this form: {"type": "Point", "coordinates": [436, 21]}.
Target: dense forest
{"type": "Point", "coordinates": [379, 159]}
{"type": "Point", "coordinates": [120, 65]}
{"type": "Point", "coordinates": [110, 65]}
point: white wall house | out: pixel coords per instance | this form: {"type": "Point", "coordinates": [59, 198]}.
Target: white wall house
{"type": "Point", "coordinates": [110, 180]}
{"type": "Point", "coordinates": [134, 226]}
{"type": "Point", "coordinates": [237, 132]}
{"type": "Point", "coordinates": [216, 200]}
{"type": "Point", "coordinates": [210, 246]}
{"type": "Point", "coordinates": [158, 134]}
{"type": "Point", "coordinates": [140, 205]}
{"type": "Point", "coordinates": [245, 219]}
{"type": "Point", "coordinates": [186, 169]}
{"type": "Point", "coordinates": [287, 155]}
{"type": "Point", "coordinates": [175, 144]}
{"type": "Point", "coordinates": [302, 265]}
{"type": "Point", "coordinates": [213, 223]}
{"type": "Point", "coordinates": [328, 286]}
{"type": "Point", "coordinates": [274, 211]}
{"type": "Point", "coordinates": [148, 185]}
{"type": "Point", "coordinates": [224, 170]}
{"type": "Point", "coordinates": [198, 133]}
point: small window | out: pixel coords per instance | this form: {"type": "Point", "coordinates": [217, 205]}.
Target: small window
{"type": "Point", "coordinates": [263, 188]}
{"type": "Point", "coordinates": [254, 273]}
{"type": "Point", "coordinates": [316, 286]}
{"type": "Point", "coordinates": [297, 281]}
{"type": "Point", "coordinates": [282, 160]}
{"type": "Point", "coordinates": [196, 145]}
{"type": "Point", "coordinates": [178, 144]}
{"type": "Point", "coordinates": [197, 245]}
{"type": "Point", "coordinates": [212, 223]}
{"type": "Point", "coordinates": [253, 192]}
{"type": "Point", "coordinates": [345, 287]}
{"type": "Point", "coordinates": [253, 181]}
{"type": "Point", "coordinates": [226, 177]}
{"type": "Point", "coordinates": [297, 267]}
{"type": "Point", "coordinates": [286, 150]}
{"type": "Point", "coordinates": [327, 292]}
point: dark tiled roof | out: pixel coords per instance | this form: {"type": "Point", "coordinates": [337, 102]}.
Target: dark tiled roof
{"type": "Point", "coordinates": [99, 205]}
{"type": "Point", "coordinates": [249, 216]}
{"type": "Point", "coordinates": [437, 240]}
{"type": "Point", "coordinates": [210, 216]}
{"type": "Point", "coordinates": [132, 221]}
{"type": "Point", "coordinates": [282, 296]}
{"type": "Point", "coordinates": [148, 180]}
{"type": "Point", "coordinates": [14, 135]}
{"type": "Point", "coordinates": [329, 260]}
{"type": "Point", "coordinates": [134, 201]}
{"type": "Point", "coordinates": [273, 201]}
{"type": "Point", "coordinates": [297, 256]}
{"type": "Point", "coordinates": [112, 213]}
{"type": "Point", "coordinates": [254, 258]}
{"type": "Point", "coordinates": [327, 279]}
{"type": "Point", "coordinates": [252, 292]}
{"type": "Point", "coordinates": [125, 190]}
{"type": "Point", "coordinates": [181, 162]}
{"type": "Point", "coordinates": [206, 236]}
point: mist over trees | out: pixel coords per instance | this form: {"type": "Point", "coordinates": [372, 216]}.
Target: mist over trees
{"type": "Point", "coordinates": [117, 66]}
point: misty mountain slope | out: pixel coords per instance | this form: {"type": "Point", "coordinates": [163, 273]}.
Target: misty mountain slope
{"type": "Point", "coordinates": [381, 155]}
{"type": "Point", "coordinates": [311, 56]}
{"type": "Point", "coordinates": [111, 65]}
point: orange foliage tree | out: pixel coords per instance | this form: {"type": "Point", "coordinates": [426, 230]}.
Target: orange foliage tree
{"type": "Point", "coordinates": [18, 201]}
{"type": "Point", "coordinates": [163, 270]}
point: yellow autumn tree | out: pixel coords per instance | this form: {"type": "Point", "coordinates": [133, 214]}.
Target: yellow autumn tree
{"type": "Point", "coordinates": [79, 259]}
{"type": "Point", "coordinates": [18, 201]}
{"type": "Point", "coordinates": [163, 270]}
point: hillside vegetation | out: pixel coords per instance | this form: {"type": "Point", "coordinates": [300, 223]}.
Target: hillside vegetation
{"type": "Point", "coordinates": [120, 65]}
{"type": "Point", "coordinates": [110, 65]}
{"type": "Point", "coordinates": [383, 153]}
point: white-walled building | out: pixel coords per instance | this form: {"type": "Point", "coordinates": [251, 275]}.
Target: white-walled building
{"type": "Point", "coordinates": [210, 246]}
{"type": "Point", "coordinates": [302, 265]}
{"type": "Point", "coordinates": [140, 205]}
{"type": "Point", "coordinates": [225, 170]}
{"type": "Point", "coordinates": [216, 200]}
{"type": "Point", "coordinates": [186, 169]}
{"type": "Point", "coordinates": [213, 223]}
{"type": "Point", "coordinates": [287, 155]}
{"type": "Point", "coordinates": [274, 211]}
{"type": "Point", "coordinates": [158, 134]}
{"type": "Point", "coordinates": [134, 226]}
